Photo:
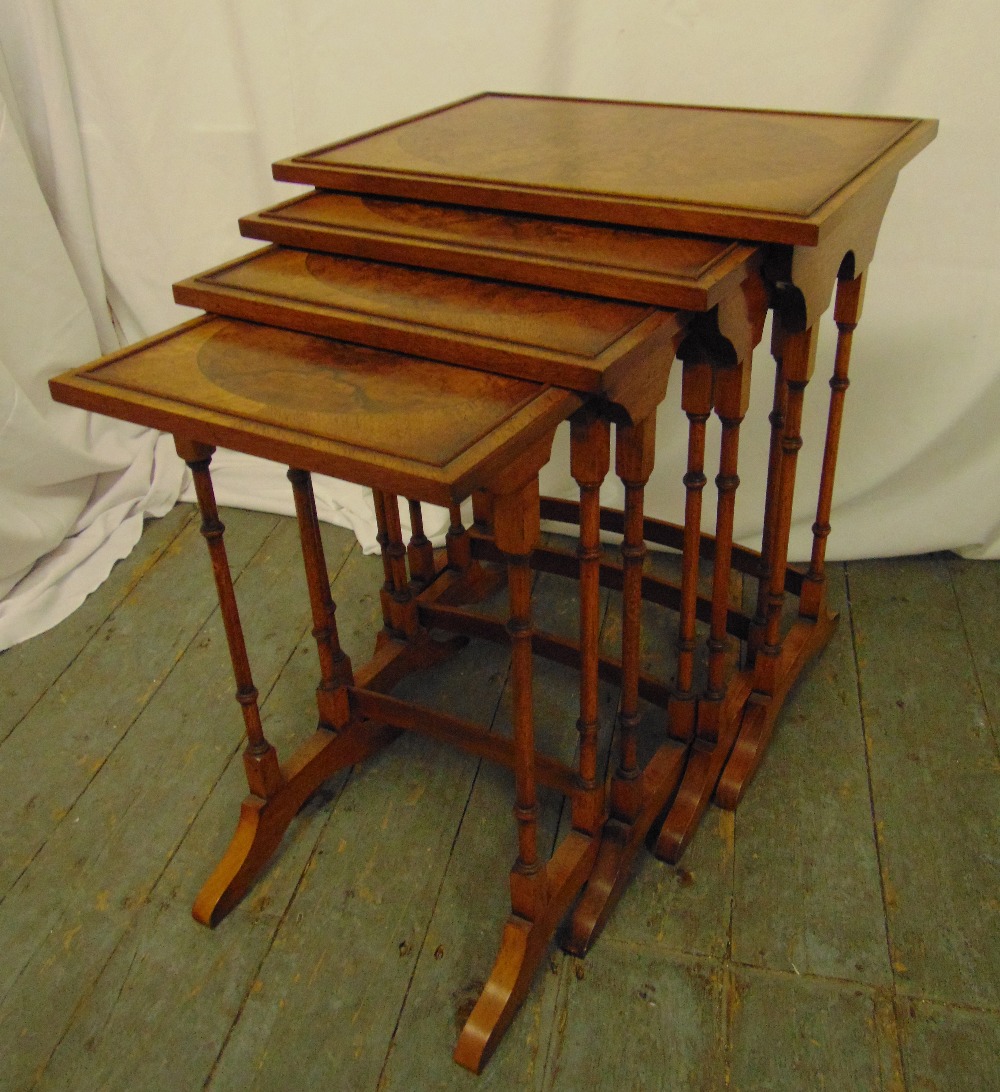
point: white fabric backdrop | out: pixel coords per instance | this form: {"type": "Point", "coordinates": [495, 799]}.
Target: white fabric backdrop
{"type": "Point", "coordinates": [152, 129]}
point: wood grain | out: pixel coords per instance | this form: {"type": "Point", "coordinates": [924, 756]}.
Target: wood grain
{"type": "Point", "coordinates": [752, 174]}
{"type": "Point", "coordinates": [662, 268]}
{"type": "Point", "coordinates": [415, 427]}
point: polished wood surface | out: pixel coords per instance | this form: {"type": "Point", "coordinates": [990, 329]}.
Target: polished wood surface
{"type": "Point", "coordinates": [754, 174]}
{"type": "Point", "coordinates": [412, 426]}
{"type": "Point", "coordinates": [574, 341]}
{"type": "Point", "coordinates": [663, 268]}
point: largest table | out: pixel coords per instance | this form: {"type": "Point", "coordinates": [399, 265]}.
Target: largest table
{"type": "Point", "coordinates": [498, 184]}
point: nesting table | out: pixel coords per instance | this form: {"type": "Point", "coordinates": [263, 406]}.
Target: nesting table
{"type": "Point", "coordinates": [458, 285]}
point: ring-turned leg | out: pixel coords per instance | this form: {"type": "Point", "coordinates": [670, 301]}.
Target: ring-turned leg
{"type": "Point", "coordinates": [637, 797]}
{"type": "Point", "coordinates": [590, 439]}
{"type": "Point", "coordinates": [846, 312]}
{"type": "Point", "coordinates": [777, 661]}
{"type": "Point", "coordinates": [541, 892]}
{"type": "Point", "coordinates": [777, 422]}
{"type": "Point", "coordinates": [696, 400]}
{"type": "Point", "coordinates": [419, 551]}
{"type": "Point", "coordinates": [720, 708]}
{"type": "Point", "coordinates": [277, 792]}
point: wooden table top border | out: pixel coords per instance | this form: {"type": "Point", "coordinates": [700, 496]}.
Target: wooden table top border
{"type": "Point", "coordinates": [727, 221]}
{"type": "Point", "coordinates": [470, 468]}
{"type": "Point", "coordinates": [699, 290]}
{"type": "Point", "coordinates": [588, 374]}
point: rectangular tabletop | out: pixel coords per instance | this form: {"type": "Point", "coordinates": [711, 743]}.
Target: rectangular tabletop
{"type": "Point", "coordinates": [763, 175]}
{"type": "Point", "coordinates": [574, 341]}
{"type": "Point", "coordinates": [426, 430]}
{"type": "Point", "coordinates": [667, 269]}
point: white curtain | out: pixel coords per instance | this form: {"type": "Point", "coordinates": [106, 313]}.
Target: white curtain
{"type": "Point", "coordinates": [133, 136]}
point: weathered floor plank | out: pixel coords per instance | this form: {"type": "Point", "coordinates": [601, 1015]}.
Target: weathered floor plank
{"type": "Point", "coordinates": [661, 1021]}
{"type": "Point", "coordinates": [934, 777]}
{"type": "Point", "coordinates": [949, 1048]}
{"type": "Point", "coordinates": [30, 668]}
{"type": "Point", "coordinates": [977, 588]}
{"type": "Point", "coordinates": [808, 896]}
{"type": "Point", "coordinates": [789, 1032]}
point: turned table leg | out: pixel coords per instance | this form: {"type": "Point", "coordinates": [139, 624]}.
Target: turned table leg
{"type": "Point", "coordinates": [696, 401]}
{"type": "Point", "coordinates": [777, 421]}
{"type": "Point", "coordinates": [590, 438]}
{"type": "Point", "coordinates": [277, 792]}
{"type": "Point", "coordinates": [419, 550]}
{"type": "Point", "coordinates": [846, 313]}
{"type": "Point", "coordinates": [335, 666]}
{"type": "Point", "coordinates": [720, 708]}
{"type": "Point", "coordinates": [260, 758]}
{"type": "Point", "coordinates": [637, 797]}
{"type": "Point", "coordinates": [777, 661]}
{"type": "Point", "coordinates": [541, 892]}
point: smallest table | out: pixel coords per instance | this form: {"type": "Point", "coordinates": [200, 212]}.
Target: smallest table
{"type": "Point", "coordinates": [401, 425]}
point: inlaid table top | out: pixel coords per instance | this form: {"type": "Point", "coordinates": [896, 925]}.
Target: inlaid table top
{"type": "Point", "coordinates": [762, 175]}
{"type": "Point", "coordinates": [428, 430]}
{"type": "Point", "coordinates": [691, 272]}
{"type": "Point", "coordinates": [576, 341]}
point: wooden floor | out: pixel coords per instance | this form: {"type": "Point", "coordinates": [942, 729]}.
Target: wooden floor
{"type": "Point", "coordinates": [841, 931]}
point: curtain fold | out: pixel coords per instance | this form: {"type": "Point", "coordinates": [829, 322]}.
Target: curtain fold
{"type": "Point", "coordinates": [74, 488]}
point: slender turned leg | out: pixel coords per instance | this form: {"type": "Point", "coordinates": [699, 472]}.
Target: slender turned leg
{"type": "Point", "coordinates": [335, 666]}
{"type": "Point", "coordinates": [696, 400]}
{"type": "Point", "coordinates": [482, 511]}
{"type": "Point", "coordinates": [466, 581]}
{"type": "Point", "coordinates": [397, 599]}
{"type": "Point", "coordinates": [260, 758]}
{"type": "Point", "coordinates": [847, 311]}
{"type": "Point", "coordinates": [777, 419]}
{"type": "Point", "coordinates": [777, 661]}
{"type": "Point", "coordinates": [590, 458]}
{"type": "Point", "coordinates": [634, 452]}
{"type": "Point", "coordinates": [277, 792]}
{"type": "Point", "coordinates": [382, 538]}
{"type": "Point", "coordinates": [732, 398]}
{"type": "Point", "coordinates": [719, 710]}
{"type": "Point", "coordinates": [541, 893]}
{"type": "Point", "coordinates": [457, 541]}
{"type": "Point", "coordinates": [636, 800]}
{"type": "Point", "coordinates": [798, 361]}
{"type": "Point", "coordinates": [420, 552]}
{"type": "Point", "coordinates": [527, 882]}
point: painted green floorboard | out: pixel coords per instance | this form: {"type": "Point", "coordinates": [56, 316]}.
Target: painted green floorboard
{"type": "Point", "coordinates": [934, 779]}
{"type": "Point", "coordinates": [788, 1032]}
{"type": "Point", "coordinates": [55, 751]}
{"type": "Point", "coordinates": [977, 588]}
{"type": "Point", "coordinates": [948, 1049]}
{"type": "Point", "coordinates": [660, 1021]}
{"type": "Point", "coordinates": [27, 670]}
{"type": "Point", "coordinates": [808, 897]}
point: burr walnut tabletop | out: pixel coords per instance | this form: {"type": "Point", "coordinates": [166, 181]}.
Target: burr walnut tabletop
{"type": "Point", "coordinates": [765, 175]}
{"type": "Point", "coordinates": [403, 424]}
